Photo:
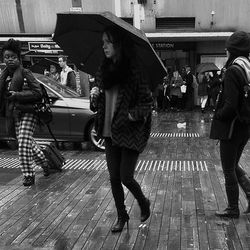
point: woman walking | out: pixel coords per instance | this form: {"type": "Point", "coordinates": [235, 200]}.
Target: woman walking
{"type": "Point", "coordinates": [13, 90]}
{"type": "Point", "coordinates": [123, 103]}
{"type": "Point", "coordinates": [227, 126]}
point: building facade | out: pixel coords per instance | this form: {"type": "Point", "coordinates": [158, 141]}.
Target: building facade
{"type": "Point", "coordinates": [181, 31]}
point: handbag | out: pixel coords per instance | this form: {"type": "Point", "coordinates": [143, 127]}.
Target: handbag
{"type": "Point", "coordinates": [183, 89]}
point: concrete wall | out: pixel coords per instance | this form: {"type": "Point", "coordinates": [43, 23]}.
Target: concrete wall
{"type": "Point", "coordinates": [39, 16]}
{"type": "Point", "coordinates": [98, 5]}
{"type": "Point", "coordinates": [229, 14]}
{"type": "Point", "coordinates": [8, 17]}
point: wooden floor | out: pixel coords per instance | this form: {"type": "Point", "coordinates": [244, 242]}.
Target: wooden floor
{"type": "Point", "coordinates": [179, 171]}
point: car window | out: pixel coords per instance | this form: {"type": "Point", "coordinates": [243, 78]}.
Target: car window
{"type": "Point", "coordinates": [62, 90]}
{"type": "Point", "coordinates": [50, 93]}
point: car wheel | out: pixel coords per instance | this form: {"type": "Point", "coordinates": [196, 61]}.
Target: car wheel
{"type": "Point", "coordinates": [95, 140]}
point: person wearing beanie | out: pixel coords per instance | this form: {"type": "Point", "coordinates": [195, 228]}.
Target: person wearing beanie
{"type": "Point", "coordinates": [226, 126]}
{"type": "Point", "coordinates": [238, 44]}
{"type": "Point", "coordinates": [12, 92]}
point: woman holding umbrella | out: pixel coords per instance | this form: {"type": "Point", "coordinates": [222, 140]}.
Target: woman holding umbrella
{"type": "Point", "coordinates": [123, 101]}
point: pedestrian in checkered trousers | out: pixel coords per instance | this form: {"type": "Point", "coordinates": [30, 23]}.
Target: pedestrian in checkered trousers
{"type": "Point", "coordinates": [18, 85]}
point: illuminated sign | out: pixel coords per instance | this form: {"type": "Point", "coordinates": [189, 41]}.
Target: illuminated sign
{"type": "Point", "coordinates": [43, 46]}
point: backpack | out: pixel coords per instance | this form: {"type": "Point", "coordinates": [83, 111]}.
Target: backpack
{"type": "Point", "coordinates": [244, 106]}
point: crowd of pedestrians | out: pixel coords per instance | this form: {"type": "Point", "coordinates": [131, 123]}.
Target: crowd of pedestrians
{"type": "Point", "coordinates": [177, 90]}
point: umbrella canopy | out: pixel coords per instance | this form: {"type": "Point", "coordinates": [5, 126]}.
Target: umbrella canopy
{"type": "Point", "coordinates": [43, 64]}
{"type": "Point", "coordinates": [80, 36]}
{"type": "Point", "coordinates": [206, 67]}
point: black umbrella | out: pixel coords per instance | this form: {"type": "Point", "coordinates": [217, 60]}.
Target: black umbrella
{"type": "Point", "coordinates": [206, 67]}
{"type": "Point", "coordinates": [43, 64]}
{"type": "Point", "coordinates": [80, 36]}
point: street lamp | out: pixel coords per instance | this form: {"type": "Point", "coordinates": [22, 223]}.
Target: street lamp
{"type": "Point", "coordinates": [212, 18]}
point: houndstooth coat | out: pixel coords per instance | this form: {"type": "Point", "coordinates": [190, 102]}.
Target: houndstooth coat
{"type": "Point", "coordinates": [134, 98]}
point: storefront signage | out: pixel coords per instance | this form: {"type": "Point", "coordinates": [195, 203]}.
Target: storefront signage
{"type": "Point", "coordinates": [76, 9]}
{"type": "Point", "coordinates": [163, 46]}
{"type": "Point", "coordinates": [43, 46]}
{"type": "Point", "coordinates": [173, 45]}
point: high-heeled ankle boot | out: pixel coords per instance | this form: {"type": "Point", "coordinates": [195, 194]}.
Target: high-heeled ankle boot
{"type": "Point", "coordinates": [145, 210]}
{"type": "Point", "coordinates": [232, 211]}
{"type": "Point", "coordinates": [244, 183]}
{"type": "Point", "coordinates": [123, 218]}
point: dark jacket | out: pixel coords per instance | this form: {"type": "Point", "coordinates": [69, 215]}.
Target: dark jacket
{"type": "Point", "coordinates": [225, 119]}
{"type": "Point", "coordinates": [27, 89]}
{"type": "Point", "coordinates": [189, 82]}
{"type": "Point", "coordinates": [134, 97]}
{"type": "Point", "coordinates": [202, 87]}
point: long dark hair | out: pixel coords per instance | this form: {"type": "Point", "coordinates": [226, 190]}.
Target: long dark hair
{"type": "Point", "coordinates": [116, 73]}
{"type": "Point", "coordinates": [122, 41]}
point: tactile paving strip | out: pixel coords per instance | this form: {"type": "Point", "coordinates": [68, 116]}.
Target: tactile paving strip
{"type": "Point", "coordinates": [142, 165]}
{"type": "Point", "coordinates": [159, 135]}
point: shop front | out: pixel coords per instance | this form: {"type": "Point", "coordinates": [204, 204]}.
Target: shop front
{"type": "Point", "coordinates": [175, 55]}
{"type": "Point", "coordinates": [177, 49]}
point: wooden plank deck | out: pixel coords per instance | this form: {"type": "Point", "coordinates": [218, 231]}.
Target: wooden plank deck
{"type": "Point", "coordinates": [179, 171]}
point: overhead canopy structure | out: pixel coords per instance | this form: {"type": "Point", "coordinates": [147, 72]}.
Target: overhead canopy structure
{"type": "Point", "coordinates": [188, 36]}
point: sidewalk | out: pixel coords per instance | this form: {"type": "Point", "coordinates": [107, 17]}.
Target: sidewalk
{"type": "Point", "coordinates": [179, 171]}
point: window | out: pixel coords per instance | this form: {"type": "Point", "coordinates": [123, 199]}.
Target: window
{"type": "Point", "coordinates": [175, 23]}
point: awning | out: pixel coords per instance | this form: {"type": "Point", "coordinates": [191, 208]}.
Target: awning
{"type": "Point", "coordinates": [187, 36]}
{"type": "Point", "coordinates": [27, 38]}
{"type": "Point", "coordinates": [153, 36]}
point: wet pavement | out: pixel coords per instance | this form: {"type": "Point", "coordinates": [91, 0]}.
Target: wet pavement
{"type": "Point", "coordinates": [179, 171]}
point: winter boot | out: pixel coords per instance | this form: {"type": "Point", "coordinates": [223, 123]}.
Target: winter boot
{"type": "Point", "coordinates": [244, 183]}
{"type": "Point", "coordinates": [28, 180]}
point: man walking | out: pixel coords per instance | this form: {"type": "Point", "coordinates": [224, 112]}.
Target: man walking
{"type": "Point", "coordinates": [67, 75]}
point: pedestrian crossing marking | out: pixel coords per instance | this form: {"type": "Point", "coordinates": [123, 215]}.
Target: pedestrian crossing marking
{"type": "Point", "coordinates": [142, 165]}
{"type": "Point", "coordinates": [163, 135]}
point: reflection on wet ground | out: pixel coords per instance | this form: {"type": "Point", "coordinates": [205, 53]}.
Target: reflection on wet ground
{"type": "Point", "coordinates": [179, 171]}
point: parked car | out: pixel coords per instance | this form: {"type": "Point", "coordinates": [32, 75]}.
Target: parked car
{"type": "Point", "coordinates": [73, 121]}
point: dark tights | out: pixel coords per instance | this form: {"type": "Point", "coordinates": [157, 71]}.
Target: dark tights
{"type": "Point", "coordinates": [121, 164]}
{"type": "Point", "coordinates": [230, 153]}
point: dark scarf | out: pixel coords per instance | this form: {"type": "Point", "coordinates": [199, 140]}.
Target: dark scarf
{"type": "Point", "coordinates": [16, 81]}
{"type": "Point", "coordinates": [16, 85]}
{"type": "Point", "coordinates": [114, 74]}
